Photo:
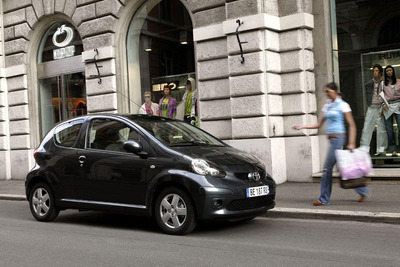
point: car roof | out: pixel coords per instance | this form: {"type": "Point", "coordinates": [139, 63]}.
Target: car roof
{"type": "Point", "coordinates": [129, 116]}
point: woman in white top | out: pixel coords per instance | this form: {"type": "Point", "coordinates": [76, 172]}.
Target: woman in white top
{"type": "Point", "coordinates": [336, 112]}
{"type": "Point", "coordinates": [148, 108]}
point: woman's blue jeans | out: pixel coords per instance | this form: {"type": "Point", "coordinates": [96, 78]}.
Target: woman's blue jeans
{"type": "Point", "coordinates": [390, 132]}
{"type": "Point", "coordinates": [336, 142]}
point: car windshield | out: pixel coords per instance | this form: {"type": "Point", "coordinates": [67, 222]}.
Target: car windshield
{"type": "Point", "coordinates": [176, 133]}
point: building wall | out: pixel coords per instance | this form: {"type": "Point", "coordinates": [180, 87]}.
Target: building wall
{"type": "Point", "coordinates": [252, 105]}
{"type": "Point", "coordinates": [255, 104]}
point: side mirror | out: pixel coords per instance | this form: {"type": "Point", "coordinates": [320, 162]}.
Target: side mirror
{"type": "Point", "coordinates": [133, 146]}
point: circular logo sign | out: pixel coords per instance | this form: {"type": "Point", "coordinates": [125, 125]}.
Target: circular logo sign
{"type": "Point", "coordinates": [68, 38]}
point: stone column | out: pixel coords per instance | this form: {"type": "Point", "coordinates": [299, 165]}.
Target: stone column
{"type": "Point", "coordinates": [4, 132]}
{"type": "Point", "coordinates": [15, 88]}
{"type": "Point", "coordinates": [298, 89]}
{"type": "Point", "coordinates": [95, 23]}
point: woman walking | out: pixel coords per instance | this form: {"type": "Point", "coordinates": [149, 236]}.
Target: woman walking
{"type": "Point", "coordinates": [335, 112]}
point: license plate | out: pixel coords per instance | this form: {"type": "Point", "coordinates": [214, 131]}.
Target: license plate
{"type": "Point", "coordinates": [257, 191]}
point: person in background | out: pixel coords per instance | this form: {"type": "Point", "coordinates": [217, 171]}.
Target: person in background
{"type": "Point", "coordinates": [190, 100]}
{"type": "Point", "coordinates": [373, 114]}
{"type": "Point", "coordinates": [167, 104]}
{"type": "Point", "coordinates": [335, 112]}
{"type": "Point", "coordinates": [390, 107]}
{"type": "Point", "coordinates": [148, 108]}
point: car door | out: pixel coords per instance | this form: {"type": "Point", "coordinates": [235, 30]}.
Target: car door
{"type": "Point", "coordinates": [108, 173]}
{"type": "Point", "coordinates": [61, 164]}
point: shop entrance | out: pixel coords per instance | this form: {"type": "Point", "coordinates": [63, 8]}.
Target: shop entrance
{"type": "Point", "coordinates": [61, 74]}
{"type": "Point", "coordinates": [61, 97]}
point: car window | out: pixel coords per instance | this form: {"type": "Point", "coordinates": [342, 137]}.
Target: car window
{"type": "Point", "coordinates": [65, 134]}
{"type": "Point", "coordinates": [177, 133]}
{"type": "Point", "coordinates": [110, 135]}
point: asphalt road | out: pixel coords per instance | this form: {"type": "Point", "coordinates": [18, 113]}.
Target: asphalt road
{"type": "Point", "coordinates": [99, 239]}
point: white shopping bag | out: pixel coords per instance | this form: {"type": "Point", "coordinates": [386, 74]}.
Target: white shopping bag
{"type": "Point", "coordinates": [353, 164]}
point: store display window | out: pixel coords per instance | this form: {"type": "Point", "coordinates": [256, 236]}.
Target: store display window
{"type": "Point", "coordinates": [364, 34]}
{"type": "Point", "coordinates": [160, 51]}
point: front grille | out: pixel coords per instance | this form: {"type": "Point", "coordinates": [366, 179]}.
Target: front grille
{"type": "Point", "coordinates": [249, 203]}
{"type": "Point", "coordinates": [245, 175]}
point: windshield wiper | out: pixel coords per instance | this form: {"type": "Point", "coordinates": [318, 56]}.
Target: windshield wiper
{"type": "Point", "coordinates": [199, 142]}
{"type": "Point", "coordinates": [192, 142]}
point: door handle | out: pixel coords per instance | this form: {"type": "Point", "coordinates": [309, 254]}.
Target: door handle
{"type": "Point", "coordinates": [82, 160]}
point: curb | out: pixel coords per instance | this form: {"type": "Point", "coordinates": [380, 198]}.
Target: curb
{"type": "Point", "coordinates": [343, 215]}
{"type": "Point", "coordinates": [318, 214]}
{"type": "Point", "coordinates": [12, 197]}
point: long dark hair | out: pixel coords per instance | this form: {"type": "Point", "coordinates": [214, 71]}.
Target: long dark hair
{"type": "Point", "coordinates": [333, 86]}
{"type": "Point", "coordinates": [393, 76]}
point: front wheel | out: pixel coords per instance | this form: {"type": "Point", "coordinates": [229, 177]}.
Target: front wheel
{"type": "Point", "coordinates": [41, 203]}
{"type": "Point", "coordinates": [174, 212]}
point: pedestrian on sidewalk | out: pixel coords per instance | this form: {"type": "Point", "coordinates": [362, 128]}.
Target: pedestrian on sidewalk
{"type": "Point", "coordinates": [335, 112]}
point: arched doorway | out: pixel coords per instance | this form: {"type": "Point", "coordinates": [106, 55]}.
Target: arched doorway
{"type": "Point", "coordinates": [389, 34]}
{"type": "Point", "coordinates": [61, 74]}
{"type": "Point", "coordinates": [160, 51]}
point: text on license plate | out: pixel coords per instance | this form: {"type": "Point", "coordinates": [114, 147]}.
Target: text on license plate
{"type": "Point", "coordinates": [257, 191]}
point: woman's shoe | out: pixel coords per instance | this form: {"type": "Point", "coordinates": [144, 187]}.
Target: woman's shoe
{"type": "Point", "coordinates": [362, 198]}
{"type": "Point", "coordinates": [317, 203]}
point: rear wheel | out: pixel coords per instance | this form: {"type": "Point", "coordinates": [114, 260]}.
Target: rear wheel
{"type": "Point", "coordinates": [174, 212]}
{"type": "Point", "coordinates": [41, 203]}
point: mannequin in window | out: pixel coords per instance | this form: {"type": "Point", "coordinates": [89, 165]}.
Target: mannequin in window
{"type": "Point", "coordinates": [190, 100]}
{"type": "Point", "coordinates": [373, 115]}
{"type": "Point", "coordinates": [148, 108]}
{"type": "Point", "coordinates": [167, 104]}
{"type": "Point", "coordinates": [390, 107]}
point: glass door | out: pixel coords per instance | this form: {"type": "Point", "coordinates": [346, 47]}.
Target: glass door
{"type": "Point", "coordinates": [61, 97]}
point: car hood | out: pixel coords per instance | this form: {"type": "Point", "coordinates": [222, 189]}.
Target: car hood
{"type": "Point", "coordinates": [222, 156]}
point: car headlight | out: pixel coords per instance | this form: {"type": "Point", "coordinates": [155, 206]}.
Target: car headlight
{"type": "Point", "coordinates": [201, 167]}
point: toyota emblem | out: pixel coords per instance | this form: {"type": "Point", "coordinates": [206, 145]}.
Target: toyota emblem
{"type": "Point", "coordinates": [254, 175]}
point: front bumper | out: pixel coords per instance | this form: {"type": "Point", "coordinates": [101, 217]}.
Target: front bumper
{"type": "Point", "coordinates": [224, 204]}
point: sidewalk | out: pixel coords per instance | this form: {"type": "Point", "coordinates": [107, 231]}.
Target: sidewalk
{"type": "Point", "coordinates": [294, 200]}
{"type": "Point", "coordinates": [12, 190]}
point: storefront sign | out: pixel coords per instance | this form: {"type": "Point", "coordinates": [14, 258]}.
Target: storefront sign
{"type": "Point", "coordinates": [387, 55]}
{"type": "Point", "coordinates": [160, 86]}
{"type": "Point", "coordinates": [64, 50]}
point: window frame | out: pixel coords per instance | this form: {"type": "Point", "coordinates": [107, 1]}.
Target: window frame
{"type": "Point", "coordinates": [66, 125]}
{"type": "Point", "coordinates": [142, 138]}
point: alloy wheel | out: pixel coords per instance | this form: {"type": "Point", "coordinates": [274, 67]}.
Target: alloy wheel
{"type": "Point", "coordinates": [173, 211]}
{"type": "Point", "coordinates": [41, 202]}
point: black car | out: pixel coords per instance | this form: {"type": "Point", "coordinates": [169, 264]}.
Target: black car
{"type": "Point", "coordinates": [148, 166]}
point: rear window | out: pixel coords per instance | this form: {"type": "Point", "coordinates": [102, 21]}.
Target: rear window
{"type": "Point", "coordinates": [66, 134]}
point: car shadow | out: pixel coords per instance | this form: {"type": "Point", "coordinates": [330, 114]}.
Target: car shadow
{"type": "Point", "coordinates": [222, 226]}
{"type": "Point", "coordinates": [108, 220]}
{"type": "Point", "coordinates": [133, 222]}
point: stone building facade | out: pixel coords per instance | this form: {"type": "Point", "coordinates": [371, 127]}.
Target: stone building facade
{"type": "Point", "coordinates": [251, 105]}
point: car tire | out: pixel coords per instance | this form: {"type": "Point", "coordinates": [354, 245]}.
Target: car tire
{"type": "Point", "coordinates": [174, 212]}
{"type": "Point", "coordinates": [41, 203]}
